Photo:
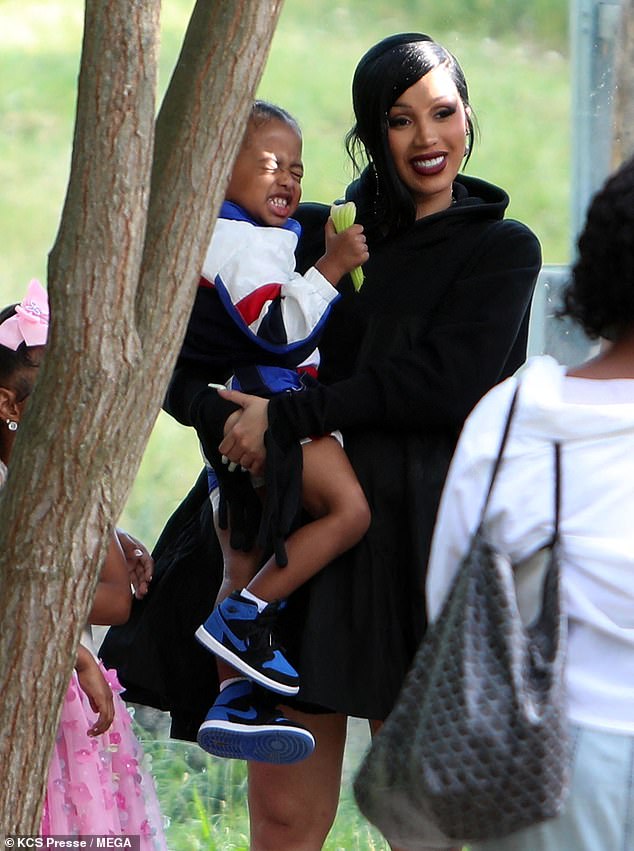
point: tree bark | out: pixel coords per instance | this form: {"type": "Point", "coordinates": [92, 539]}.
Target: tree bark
{"type": "Point", "coordinates": [142, 199]}
{"type": "Point", "coordinates": [623, 131]}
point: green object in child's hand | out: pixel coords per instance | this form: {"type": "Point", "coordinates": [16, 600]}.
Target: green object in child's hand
{"type": "Point", "coordinates": [343, 216]}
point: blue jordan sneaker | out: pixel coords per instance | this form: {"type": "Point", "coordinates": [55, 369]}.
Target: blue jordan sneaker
{"type": "Point", "coordinates": [242, 725]}
{"type": "Point", "coordinates": [236, 632]}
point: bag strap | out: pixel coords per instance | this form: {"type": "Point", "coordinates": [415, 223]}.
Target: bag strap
{"type": "Point", "coordinates": [498, 460]}
{"type": "Point", "coordinates": [557, 448]}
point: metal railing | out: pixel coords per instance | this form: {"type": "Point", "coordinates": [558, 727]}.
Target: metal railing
{"type": "Point", "coordinates": [561, 338]}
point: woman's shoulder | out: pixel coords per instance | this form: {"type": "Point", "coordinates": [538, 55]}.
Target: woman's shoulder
{"type": "Point", "coordinates": [492, 244]}
{"type": "Point", "coordinates": [485, 416]}
{"type": "Point", "coordinates": [515, 239]}
{"type": "Point", "coordinates": [479, 198]}
{"type": "Point", "coordinates": [497, 235]}
{"type": "Point", "coordinates": [538, 386]}
{"type": "Point", "coordinates": [513, 227]}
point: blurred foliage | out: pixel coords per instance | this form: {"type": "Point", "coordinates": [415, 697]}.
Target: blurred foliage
{"type": "Point", "coordinates": [514, 57]}
{"type": "Point", "coordinates": [513, 53]}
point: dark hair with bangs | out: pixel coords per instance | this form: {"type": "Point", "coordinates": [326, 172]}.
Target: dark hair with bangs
{"type": "Point", "coordinates": [382, 75]}
{"type": "Point", "coordinates": [600, 297]}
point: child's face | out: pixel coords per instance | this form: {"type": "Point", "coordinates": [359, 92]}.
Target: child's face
{"type": "Point", "coordinates": [266, 177]}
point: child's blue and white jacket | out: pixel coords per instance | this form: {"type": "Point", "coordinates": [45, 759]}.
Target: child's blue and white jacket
{"type": "Point", "coordinates": [255, 317]}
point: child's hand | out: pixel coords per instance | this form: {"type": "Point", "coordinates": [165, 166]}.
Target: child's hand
{"type": "Point", "coordinates": [139, 561]}
{"type": "Point", "coordinates": [97, 690]}
{"type": "Point", "coordinates": [344, 252]}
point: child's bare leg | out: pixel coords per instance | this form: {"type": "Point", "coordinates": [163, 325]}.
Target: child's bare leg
{"type": "Point", "coordinates": [239, 567]}
{"type": "Point", "coordinates": [238, 570]}
{"type": "Point", "coordinates": [239, 630]}
{"type": "Point", "coordinates": [333, 496]}
{"type": "Point", "coordinates": [240, 723]}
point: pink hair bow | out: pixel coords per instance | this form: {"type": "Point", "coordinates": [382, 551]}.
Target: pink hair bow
{"type": "Point", "coordinates": [30, 323]}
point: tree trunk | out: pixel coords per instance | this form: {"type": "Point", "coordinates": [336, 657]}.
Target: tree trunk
{"type": "Point", "coordinates": [141, 203]}
{"type": "Point", "coordinates": [623, 136]}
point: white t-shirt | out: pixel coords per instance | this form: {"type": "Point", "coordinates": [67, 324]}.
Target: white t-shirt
{"type": "Point", "coordinates": [594, 422]}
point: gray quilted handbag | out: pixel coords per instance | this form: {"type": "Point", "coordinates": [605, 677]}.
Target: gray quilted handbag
{"type": "Point", "coordinates": [476, 745]}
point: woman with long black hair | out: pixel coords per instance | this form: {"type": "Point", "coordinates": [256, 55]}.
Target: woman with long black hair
{"type": "Point", "coordinates": [442, 317]}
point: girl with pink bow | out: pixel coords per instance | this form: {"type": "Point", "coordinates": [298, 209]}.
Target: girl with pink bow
{"type": "Point", "coordinates": [97, 783]}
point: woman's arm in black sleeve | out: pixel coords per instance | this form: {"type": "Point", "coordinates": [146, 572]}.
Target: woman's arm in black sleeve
{"type": "Point", "coordinates": [192, 402]}
{"type": "Point", "coordinates": [439, 381]}
{"type": "Point", "coordinates": [189, 391]}
{"type": "Point", "coordinates": [199, 364]}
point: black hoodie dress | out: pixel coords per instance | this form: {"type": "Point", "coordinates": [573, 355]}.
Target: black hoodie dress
{"type": "Point", "coordinates": [442, 316]}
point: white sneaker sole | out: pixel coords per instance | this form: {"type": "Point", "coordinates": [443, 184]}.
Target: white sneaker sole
{"type": "Point", "coordinates": [266, 743]}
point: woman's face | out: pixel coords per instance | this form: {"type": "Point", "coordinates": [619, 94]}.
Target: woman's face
{"type": "Point", "coordinates": [427, 133]}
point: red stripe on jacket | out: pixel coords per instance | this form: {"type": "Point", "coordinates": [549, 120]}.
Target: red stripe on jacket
{"type": "Point", "coordinates": [251, 305]}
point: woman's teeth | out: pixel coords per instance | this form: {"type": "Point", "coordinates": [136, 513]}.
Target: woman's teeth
{"type": "Point", "coordinates": [429, 164]}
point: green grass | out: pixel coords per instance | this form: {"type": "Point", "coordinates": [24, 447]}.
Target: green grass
{"type": "Point", "coordinates": [203, 799]}
{"type": "Point", "coordinates": [515, 58]}
{"type": "Point", "coordinates": [515, 61]}
{"type": "Point", "coordinates": [519, 86]}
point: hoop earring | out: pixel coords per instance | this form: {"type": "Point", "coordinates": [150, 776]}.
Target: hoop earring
{"type": "Point", "coordinates": [467, 147]}
{"type": "Point", "coordinates": [12, 425]}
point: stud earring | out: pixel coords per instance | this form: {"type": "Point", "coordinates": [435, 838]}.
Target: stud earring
{"type": "Point", "coordinates": [12, 425]}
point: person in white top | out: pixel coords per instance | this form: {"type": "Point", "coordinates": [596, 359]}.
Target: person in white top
{"type": "Point", "coordinates": [590, 411]}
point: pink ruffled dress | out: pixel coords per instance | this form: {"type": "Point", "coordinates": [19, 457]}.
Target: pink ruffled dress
{"type": "Point", "coordinates": [100, 785]}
